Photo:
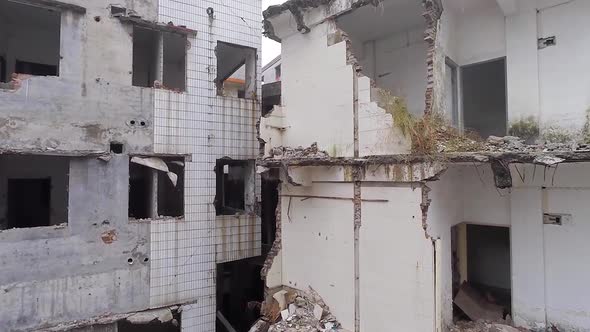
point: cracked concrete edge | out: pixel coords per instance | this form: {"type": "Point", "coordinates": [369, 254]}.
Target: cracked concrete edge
{"type": "Point", "coordinates": [277, 244]}
{"type": "Point", "coordinates": [297, 8]}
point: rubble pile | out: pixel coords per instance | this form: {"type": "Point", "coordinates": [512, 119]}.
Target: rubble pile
{"type": "Point", "coordinates": [298, 152]}
{"type": "Point", "coordinates": [486, 315]}
{"type": "Point", "coordinates": [481, 326]}
{"type": "Point", "coordinates": [296, 311]}
{"type": "Point", "coordinates": [516, 144]}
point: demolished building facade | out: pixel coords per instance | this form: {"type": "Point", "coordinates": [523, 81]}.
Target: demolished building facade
{"type": "Point", "coordinates": [389, 205]}
{"type": "Point", "coordinates": [127, 172]}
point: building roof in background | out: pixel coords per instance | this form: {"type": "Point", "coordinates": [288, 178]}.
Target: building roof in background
{"type": "Point", "coordinates": [271, 63]}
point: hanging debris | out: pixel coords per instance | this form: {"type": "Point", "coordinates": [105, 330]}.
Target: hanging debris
{"type": "Point", "coordinates": [502, 176]}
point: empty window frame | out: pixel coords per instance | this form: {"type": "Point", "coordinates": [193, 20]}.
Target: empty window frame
{"type": "Point", "coordinates": [146, 59]}
{"type": "Point", "coordinates": [234, 186]}
{"type": "Point", "coordinates": [33, 191]}
{"type": "Point", "coordinates": [174, 67]}
{"type": "Point", "coordinates": [28, 202]}
{"type": "Point", "coordinates": [236, 70]}
{"type": "Point", "coordinates": [33, 44]}
{"type": "Point", "coordinates": [145, 56]}
{"type": "Point", "coordinates": [156, 187]}
{"type": "Point", "coordinates": [483, 92]}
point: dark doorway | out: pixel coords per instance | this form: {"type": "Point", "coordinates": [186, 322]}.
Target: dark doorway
{"type": "Point", "coordinates": [483, 88]}
{"type": "Point", "coordinates": [28, 202]}
{"type": "Point", "coordinates": [240, 292]}
{"type": "Point", "coordinates": [481, 265]}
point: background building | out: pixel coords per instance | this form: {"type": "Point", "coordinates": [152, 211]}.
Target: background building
{"type": "Point", "coordinates": [126, 174]}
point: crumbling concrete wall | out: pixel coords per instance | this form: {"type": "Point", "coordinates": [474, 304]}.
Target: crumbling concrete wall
{"type": "Point", "coordinates": [96, 265]}
{"type": "Point", "coordinates": [92, 102]}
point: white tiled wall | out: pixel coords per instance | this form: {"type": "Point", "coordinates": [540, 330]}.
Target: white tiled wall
{"type": "Point", "coordinates": [208, 127]}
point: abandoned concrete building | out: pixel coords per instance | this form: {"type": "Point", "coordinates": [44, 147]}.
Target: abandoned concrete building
{"type": "Point", "coordinates": [433, 161]}
{"type": "Point", "coordinates": [128, 191]}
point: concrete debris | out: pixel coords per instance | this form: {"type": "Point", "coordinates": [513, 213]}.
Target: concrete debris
{"type": "Point", "coordinates": [281, 299]}
{"type": "Point", "coordinates": [299, 152]}
{"type": "Point", "coordinates": [481, 326]}
{"type": "Point", "coordinates": [517, 144]}
{"type": "Point", "coordinates": [306, 312]}
{"type": "Point", "coordinates": [502, 175]}
{"type": "Point", "coordinates": [476, 307]}
{"type": "Point", "coordinates": [162, 315]}
{"type": "Point", "coordinates": [260, 326]}
{"type": "Point", "coordinates": [548, 160]}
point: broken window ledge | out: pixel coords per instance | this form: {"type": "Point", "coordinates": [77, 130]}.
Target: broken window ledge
{"type": "Point", "coordinates": [159, 86]}
{"type": "Point", "coordinates": [34, 233]}
{"type": "Point", "coordinates": [160, 218]}
{"type": "Point", "coordinates": [236, 214]}
{"type": "Point", "coordinates": [157, 26]}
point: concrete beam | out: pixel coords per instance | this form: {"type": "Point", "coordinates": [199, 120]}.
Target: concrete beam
{"type": "Point", "coordinates": [509, 7]}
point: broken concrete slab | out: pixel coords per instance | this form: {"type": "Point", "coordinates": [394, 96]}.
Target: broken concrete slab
{"type": "Point", "coordinates": [317, 312]}
{"type": "Point", "coordinates": [281, 300]}
{"type": "Point", "coordinates": [162, 315]}
{"type": "Point", "coordinates": [260, 326]}
{"type": "Point", "coordinates": [476, 307]}
{"type": "Point", "coordinates": [285, 314]}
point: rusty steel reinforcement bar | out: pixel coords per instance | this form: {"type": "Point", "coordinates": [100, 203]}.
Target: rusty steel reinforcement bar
{"type": "Point", "coordinates": [306, 197]}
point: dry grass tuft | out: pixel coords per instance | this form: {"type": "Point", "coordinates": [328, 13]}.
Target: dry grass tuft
{"type": "Point", "coordinates": [431, 133]}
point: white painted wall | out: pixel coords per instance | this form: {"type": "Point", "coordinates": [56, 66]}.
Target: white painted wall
{"type": "Point", "coordinates": [317, 245]}
{"type": "Point", "coordinates": [378, 134]}
{"type": "Point", "coordinates": [318, 108]}
{"type": "Point", "coordinates": [478, 35]}
{"type": "Point", "coordinates": [396, 262]}
{"type": "Point", "coordinates": [398, 63]}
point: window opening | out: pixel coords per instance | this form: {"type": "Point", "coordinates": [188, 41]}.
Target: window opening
{"type": "Point", "coordinates": [145, 56]}
{"type": "Point", "coordinates": [170, 196]}
{"type": "Point", "coordinates": [28, 202]}
{"type": "Point", "coordinates": [484, 97]}
{"type": "Point", "coordinates": [156, 187]}
{"type": "Point", "coordinates": [174, 67]}
{"type": "Point", "coordinates": [33, 191]}
{"type": "Point", "coordinates": [236, 70]}
{"type": "Point", "coordinates": [232, 184]}
{"type": "Point", "coordinates": [141, 184]}
{"type": "Point", "coordinates": [33, 45]}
